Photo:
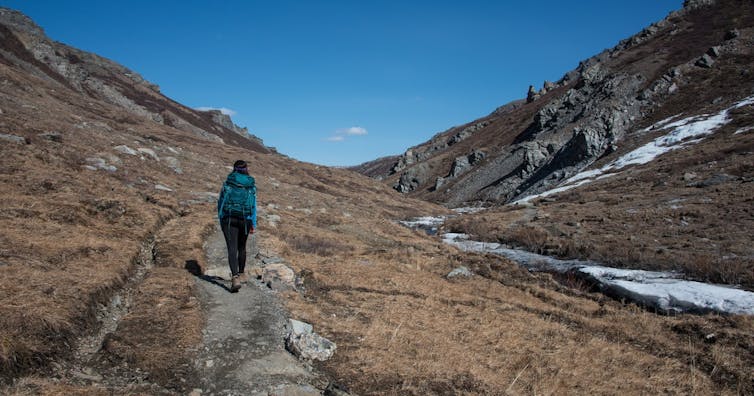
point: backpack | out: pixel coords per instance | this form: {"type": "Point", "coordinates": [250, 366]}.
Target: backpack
{"type": "Point", "coordinates": [238, 196]}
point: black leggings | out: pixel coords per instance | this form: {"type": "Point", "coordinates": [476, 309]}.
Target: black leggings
{"type": "Point", "coordinates": [236, 231]}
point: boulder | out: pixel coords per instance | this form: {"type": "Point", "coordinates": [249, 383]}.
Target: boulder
{"type": "Point", "coordinates": [95, 163]}
{"type": "Point", "coordinates": [162, 187]}
{"type": "Point", "coordinates": [412, 178]}
{"type": "Point", "coordinates": [52, 136]}
{"type": "Point", "coordinates": [460, 272]}
{"type": "Point", "coordinates": [460, 166]}
{"type": "Point", "coordinates": [279, 277]}
{"type": "Point", "coordinates": [705, 61]}
{"type": "Point", "coordinates": [689, 176]}
{"type": "Point", "coordinates": [149, 152]}
{"type": "Point", "coordinates": [12, 138]}
{"type": "Point", "coordinates": [714, 51]}
{"type": "Point", "coordinates": [125, 150]}
{"type": "Point", "coordinates": [303, 342]}
{"type": "Point", "coordinates": [174, 164]}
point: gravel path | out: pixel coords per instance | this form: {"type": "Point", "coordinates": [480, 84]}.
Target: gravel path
{"type": "Point", "coordinates": [243, 351]}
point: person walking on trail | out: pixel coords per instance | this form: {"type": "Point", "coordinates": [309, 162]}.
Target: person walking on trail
{"type": "Point", "coordinates": [237, 212]}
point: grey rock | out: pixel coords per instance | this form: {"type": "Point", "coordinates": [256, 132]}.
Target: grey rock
{"type": "Point", "coordinates": [439, 182]}
{"type": "Point", "coordinates": [279, 277]}
{"type": "Point", "coordinates": [272, 219]}
{"type": "Point", "coordinates": [162, 187]}
{"type": "Point", "coordinates": [125, 150]}
{"type": "Point", "coordinates": [714, 51]}
{"type": "Point", "coordinates": [148, 152]}
{"type": "Point", "coordinates": [460, 166]}
{"type": "Point", "coordinates": [12, 138]}
{"type": "Point", "coordinates": [719, 178]}
{"type": "Point", "coordinates": [412, 178]}
{"type": "Point", "coordinates": [334, 389]}
{"type": "Point", "coordinates": [705, 61]}
{"type": "Point", "coordinates": [532, 94]}
{"type": "Point", "coordinates": [689, 176]}
{"type": "Point", "coordinates": [204, 196]}
{"type": "Point", "coordinates": [303, 342]}
{"type": "Point", "coordinates": [460, 272]}
{"type": "Point", "coordinates": [52, 136]}
{"type": "Point", "coordinates": [95, 163]}
{"type": "Point", "coordinates": [174, 164]}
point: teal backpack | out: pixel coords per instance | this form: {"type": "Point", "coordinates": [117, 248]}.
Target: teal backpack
{"type": "Point", "coordinates": [238, 197]}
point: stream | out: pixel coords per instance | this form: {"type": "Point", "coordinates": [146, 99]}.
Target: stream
{"type": "Point", "coordinates": [667, 292]}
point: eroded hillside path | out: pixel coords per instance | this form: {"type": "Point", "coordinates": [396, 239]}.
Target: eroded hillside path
{"type": "Point", "coordinates": [243, 351]}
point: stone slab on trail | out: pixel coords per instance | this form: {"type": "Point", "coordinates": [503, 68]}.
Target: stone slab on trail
{"type": "Point", "coordinates": [243, 350]}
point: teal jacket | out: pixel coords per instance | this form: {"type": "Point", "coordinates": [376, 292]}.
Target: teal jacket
{"type": "Point", "coordinates": [240, 180]}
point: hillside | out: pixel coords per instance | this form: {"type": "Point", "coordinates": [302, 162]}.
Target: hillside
{"type": "Point", "coordinates": [678, 65]}
{"type": "Point", "coordinates": [107, 213]}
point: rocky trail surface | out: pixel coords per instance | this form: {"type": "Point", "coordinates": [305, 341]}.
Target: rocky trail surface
{"type": "Point", "coordinates": [243, 349]}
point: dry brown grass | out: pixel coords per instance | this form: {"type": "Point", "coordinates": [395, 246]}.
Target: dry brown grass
{"type": "Point", "coordinates": [377, 289]}
{"type": "Point", "coordinates": [162, 329]}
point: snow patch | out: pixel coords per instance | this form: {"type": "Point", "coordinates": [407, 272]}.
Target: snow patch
{"type": "Point", "coordinates": [668, 293]}
{"type": "Point", "coordinates": [664, 291]}
{"type": "Point", "coordinates": [429, 224]}
{"type": "Point", "coordinates": [468, 209]}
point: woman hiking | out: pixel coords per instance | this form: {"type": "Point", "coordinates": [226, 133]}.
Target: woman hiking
{"type": "Point", "coordinates": [237, 211]}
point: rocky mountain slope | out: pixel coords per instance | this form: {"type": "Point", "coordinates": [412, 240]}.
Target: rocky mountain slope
{"type": "Point", "coordinates": [107, 193]}
{"type": "Point", "coordinates": [535, 144]}
{"type": "Point", "coordinates": [25, 46]}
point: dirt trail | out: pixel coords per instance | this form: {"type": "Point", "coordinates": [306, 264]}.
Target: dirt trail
{"type": "Point", "coordinates": [243, 351]}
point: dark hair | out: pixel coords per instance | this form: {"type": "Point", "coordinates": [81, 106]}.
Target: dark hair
{"type": "Point", "coordinates": [241, 166]}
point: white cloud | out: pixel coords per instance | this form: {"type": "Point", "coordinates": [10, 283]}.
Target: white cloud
{"type": "Point", "coordinates": [340, 134]}
{"type": "Point", "coordinates": [354, 130]}
{"type": "Point", "coordinates": [223, 110]}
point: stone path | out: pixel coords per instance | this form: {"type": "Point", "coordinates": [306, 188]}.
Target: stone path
{"type": "Point", "coordinates": [243, 351]}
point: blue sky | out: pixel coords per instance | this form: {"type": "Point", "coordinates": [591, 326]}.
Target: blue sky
{"type": "Point", "coordinates": [343, 82]}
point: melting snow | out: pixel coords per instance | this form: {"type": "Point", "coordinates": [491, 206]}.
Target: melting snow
{"type": "Point", "coordinates": [662, 290]}
{"type": "Point", "coordinates": [683, 132]}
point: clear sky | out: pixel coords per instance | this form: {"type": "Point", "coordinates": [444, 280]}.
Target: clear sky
{"type": "Point", "coordinates": [343, 82]}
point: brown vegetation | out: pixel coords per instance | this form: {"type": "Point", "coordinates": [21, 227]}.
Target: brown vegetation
{"type": "Point", "coordinates": [72, 238]}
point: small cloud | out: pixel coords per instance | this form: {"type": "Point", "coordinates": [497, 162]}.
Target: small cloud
{"type": "Point", "coordinates": [340, 134]}
{"type": "Point", "coordinates": [354, 131]}
{"type": "Point", "coordinates": [223, 110]}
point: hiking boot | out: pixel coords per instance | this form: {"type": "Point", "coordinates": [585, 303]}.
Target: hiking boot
{"type": "Point", "coordinates": [243, 277]}
{"type": "Point", "coordinates": [235, 284]}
